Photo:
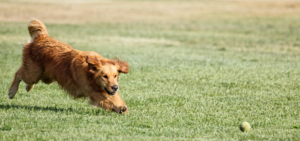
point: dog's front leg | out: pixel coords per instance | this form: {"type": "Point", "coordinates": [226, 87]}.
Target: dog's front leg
{"type": "Point", "coordinates": [114, 103]}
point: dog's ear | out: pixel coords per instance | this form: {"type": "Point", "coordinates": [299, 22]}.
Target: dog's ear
{"type": "Point", "coordinates": [123, 67]}
{"type": "Point", "coordinates": [94, 63]}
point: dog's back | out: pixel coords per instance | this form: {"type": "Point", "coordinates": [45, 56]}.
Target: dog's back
{"type": "Point", "coordinates": [42, 45]}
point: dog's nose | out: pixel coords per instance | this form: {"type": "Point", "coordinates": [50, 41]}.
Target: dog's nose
{"type": "Point", "coordinates": [115, 87]}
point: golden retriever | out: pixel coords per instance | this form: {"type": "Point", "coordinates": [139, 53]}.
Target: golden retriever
{"type": "Point", "coordinates": [80, 73]}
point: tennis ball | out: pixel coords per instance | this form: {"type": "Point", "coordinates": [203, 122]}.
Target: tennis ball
{"type": "Point", "coordinates": [245, 126]}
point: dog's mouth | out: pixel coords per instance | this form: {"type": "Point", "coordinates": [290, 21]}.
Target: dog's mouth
{"type": "Point", "coordinates": [110, 93]}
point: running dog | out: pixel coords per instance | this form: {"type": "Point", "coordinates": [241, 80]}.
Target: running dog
{"type": "Point", "coordinates": [80, 73]}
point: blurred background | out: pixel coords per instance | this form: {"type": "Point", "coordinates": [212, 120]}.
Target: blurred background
{"type": "Point", "coordinates": [143, 11]}
{"type": "Point", "coordinates": [217, 20]}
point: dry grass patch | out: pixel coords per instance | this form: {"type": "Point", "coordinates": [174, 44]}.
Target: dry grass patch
{"type": "Point", "coordinates": [141, 11]}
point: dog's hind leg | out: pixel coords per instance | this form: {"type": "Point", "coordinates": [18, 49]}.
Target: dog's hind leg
{"type": "Point", "coordinates": [30, 73]}
{"type": "Point", "coordinates": [29, 87]}
{"type": "Point", "coordinates": [15, 85]}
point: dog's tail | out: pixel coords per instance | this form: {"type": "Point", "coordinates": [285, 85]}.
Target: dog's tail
{"type": "Point", "coordinates": [36, 27]}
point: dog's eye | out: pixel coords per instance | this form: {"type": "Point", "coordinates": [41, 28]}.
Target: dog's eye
{"type": "Point", "coordinates": [94, 68]}
{"type": "Point", "coordinates": [115, 76]}
{"type": "Point", "coordinates": [105, 76]}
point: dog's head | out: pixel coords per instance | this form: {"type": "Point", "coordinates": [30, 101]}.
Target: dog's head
{"type": "Point", "coordinates": [106, 72]}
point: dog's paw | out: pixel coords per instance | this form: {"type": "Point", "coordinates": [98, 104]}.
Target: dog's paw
{"type": "Point", "coordinates": [29, 87]}
{"type": "Point", "coordinates": [11, 94]}
{"type": "Point", "coordinates": [121, 109]}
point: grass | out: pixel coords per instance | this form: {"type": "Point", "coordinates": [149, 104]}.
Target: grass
{"type": "Point", "coordinates": [190, 79]}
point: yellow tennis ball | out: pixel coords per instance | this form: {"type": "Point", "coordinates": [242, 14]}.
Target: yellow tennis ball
{"type": "Point", "coordinates": [245, 126]}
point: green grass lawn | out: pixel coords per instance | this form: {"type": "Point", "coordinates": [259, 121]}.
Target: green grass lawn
{"type": "Point", "coordinates": [188, 80]}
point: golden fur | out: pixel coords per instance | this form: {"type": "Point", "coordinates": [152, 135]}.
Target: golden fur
{"type": "Point", "coordinates": [80, 73]}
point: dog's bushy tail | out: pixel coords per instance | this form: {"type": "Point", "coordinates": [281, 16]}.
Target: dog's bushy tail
{"type": "Point", "coordinates": [36, 27]}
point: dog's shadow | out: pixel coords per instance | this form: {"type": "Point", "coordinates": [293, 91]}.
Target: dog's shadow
{"type": "Point", "coordinates": [96, 111]}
